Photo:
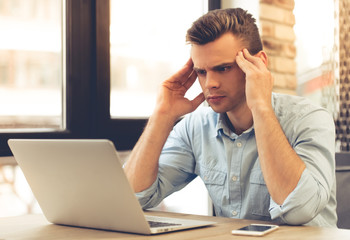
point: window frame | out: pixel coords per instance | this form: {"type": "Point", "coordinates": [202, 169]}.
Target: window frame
{"type": "Point", "coordinates": [87, 81]}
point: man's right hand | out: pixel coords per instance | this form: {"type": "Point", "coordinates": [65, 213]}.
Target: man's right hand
{"type": "Point", "coordinates": [171, 97]}
{"type": "Point", "coordinates": [142, 166]}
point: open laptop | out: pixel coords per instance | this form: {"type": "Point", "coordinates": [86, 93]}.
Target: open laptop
{"type": "Point", "coordinates": [82, 183]}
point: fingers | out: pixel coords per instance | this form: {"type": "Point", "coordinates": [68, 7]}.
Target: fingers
{"type": "Point", "coordinates": [248, 62]}
{"type": "Point", "coordinates": [185, 76]}
{"type": "Point", "coordinates": [242, 62]}
{"type": "Point", "coordinates": [197, 101]}
{"type": "Point", "coordinates": [184, 73]}
{"type": "Point", "coordinates": [256, 60]}
{"type": "Point", "coordinates": [190, 80]}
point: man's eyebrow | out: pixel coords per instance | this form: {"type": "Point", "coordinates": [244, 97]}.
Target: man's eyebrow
{"type": "Point", "coordinates": [223, 65]}
{"type": "Point", "coordinates": [197, 68]}
{"type": "Point", "coordinates": [216, 66]}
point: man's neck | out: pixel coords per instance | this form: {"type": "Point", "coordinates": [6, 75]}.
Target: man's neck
{"type": "Point", "coordinates": [240, 120]}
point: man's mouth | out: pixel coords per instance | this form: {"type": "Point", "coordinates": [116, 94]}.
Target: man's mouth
{"type": "Point", "coordinates": [214, 99]}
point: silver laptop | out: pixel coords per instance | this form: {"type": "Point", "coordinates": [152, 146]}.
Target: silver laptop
{"type": "Point", "coordinates": [82, 183]}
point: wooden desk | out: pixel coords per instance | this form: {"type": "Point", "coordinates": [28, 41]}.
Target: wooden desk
{"type": "Point", "coordinates": [36, 227]}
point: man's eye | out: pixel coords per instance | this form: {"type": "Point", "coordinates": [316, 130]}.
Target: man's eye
{"type": "Point", "coordinates": [224, 69]}
{"type": "Point", "coordinates": [201, 72]}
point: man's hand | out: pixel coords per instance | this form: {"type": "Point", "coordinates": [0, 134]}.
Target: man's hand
{"type": "Point", "coordinates": [142, 166]}
{"type": "Point", "coordinates": [259, 81]}
{"type": "Point", "coordinates": [171, 97]}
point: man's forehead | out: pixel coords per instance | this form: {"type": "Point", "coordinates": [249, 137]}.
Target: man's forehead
{"type": "Point", "coordinates": [208, 59]}
{"type": "Point", "coordinates": [213, 54]}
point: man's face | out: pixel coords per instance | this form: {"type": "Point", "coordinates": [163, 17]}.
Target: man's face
{"type": "Point", "coordinates": [221, 79]}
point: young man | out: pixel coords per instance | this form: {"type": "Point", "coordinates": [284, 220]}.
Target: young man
{"type": "Point", "coordinates": [261, 155]}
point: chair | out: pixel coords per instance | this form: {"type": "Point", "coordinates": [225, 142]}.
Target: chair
{"type": "Point", "coordinates": [342, 160]}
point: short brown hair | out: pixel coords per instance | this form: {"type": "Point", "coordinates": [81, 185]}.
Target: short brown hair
{"type": "Point", "coordinates": [215, 23]}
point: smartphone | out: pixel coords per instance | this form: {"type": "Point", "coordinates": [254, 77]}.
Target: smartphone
{"type": "Point", "coordinates": [255, 230]}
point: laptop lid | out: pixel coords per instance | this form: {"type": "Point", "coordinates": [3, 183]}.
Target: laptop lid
{"type": "Point", "coordinates": [82, 183]}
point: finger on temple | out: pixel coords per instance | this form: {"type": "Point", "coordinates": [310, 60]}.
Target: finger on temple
{"type": "Point", "coordinates": [242, 62]}
{"type": "Point", "coordinates": [184, 72]}
{"type": "Point", "coordinates": [190, 80]}
{"type": "Point", "coordinates": [257, 61]}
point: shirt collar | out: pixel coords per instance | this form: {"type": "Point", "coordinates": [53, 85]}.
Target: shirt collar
{"type": "Point", "coordinates": [273, 100]}
{"type": "Point", "coordinates": [221, 125]}
{"type": "Point", "coordinates": [222, 128]}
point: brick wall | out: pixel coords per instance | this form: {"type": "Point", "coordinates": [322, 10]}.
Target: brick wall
{"type": "Point", "coordinates": [343, 118]}
{"type": "Point", "coordinates": [277, 20]}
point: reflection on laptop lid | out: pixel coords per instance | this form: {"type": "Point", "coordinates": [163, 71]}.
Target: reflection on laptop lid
{"type": "Point", "coordinates": [82, 183]}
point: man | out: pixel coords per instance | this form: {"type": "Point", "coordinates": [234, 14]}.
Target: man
{"type": "Point", "coordinates": [261, 155]}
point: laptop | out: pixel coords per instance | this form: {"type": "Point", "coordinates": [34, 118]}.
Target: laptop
{"type": "Point", "coordinates": [82, 183]}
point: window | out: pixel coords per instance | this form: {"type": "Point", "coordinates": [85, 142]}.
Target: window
{"type": "Point", "coordinates": [317, 55]}
{"type": "Point", "coordinates": [147, 50]}
{"type": "Point", "coordinates": [31, 65]}
{"type": "Point", "coordinates": [36, 101]}
{"type": "Point", "coordinates": [65, 86]}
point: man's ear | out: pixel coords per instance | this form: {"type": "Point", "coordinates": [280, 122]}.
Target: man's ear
{"type": "Point", "coordinates": [263, 56]}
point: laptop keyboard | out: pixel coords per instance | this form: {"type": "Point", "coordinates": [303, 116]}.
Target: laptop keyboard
{"type": "Point", "coordinates": [153, 224]}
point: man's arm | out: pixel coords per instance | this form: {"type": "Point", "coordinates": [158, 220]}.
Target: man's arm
{"type": "Point", "coordinates": [281, 166]}
{"type": "Point", "coordinates": [142, 166]}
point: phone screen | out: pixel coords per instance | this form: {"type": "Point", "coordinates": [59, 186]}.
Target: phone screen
{"type": "Point", "coordinates": [256, 228]}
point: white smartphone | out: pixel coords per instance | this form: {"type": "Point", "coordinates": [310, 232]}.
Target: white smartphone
{"type": "Point", "coordinates": [255, 230]}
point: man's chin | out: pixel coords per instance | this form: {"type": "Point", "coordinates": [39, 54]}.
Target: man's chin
{"type": "Point", "coordinates": [216, 109]}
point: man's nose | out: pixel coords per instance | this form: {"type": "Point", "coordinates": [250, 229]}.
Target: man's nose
{"type": "Point", "coordinates": [212, 81]}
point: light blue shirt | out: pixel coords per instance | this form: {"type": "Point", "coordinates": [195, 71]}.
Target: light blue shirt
{"type": "Point", "coordinates": [203, 145]}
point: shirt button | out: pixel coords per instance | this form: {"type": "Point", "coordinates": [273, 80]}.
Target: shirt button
{"type": "Point", "coordinates": [239, 144]}
{"type": "Point", "coordinates": [234, 213]}
{"type": "Point", "coordinates": [234, 178]}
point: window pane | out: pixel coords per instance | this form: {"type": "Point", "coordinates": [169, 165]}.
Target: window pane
{"type": "Point", "coordinates": [147, 46]}
{"type": "Point", "coordinates": [31, 64]}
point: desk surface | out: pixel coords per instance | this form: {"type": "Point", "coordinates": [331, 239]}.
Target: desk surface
{"type": "Point", "coordinates": [37, 227]}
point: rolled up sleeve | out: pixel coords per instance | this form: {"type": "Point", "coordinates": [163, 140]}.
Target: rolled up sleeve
{"type": "Point", "coordinates": [170, 179]}
{"type": "Point", "coordinates": [303, 204]}
{"type": "Point", "coordinates": [146, 197]}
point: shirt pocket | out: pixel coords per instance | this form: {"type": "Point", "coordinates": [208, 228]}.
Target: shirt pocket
{"type": "Point", "coordinates": [213, 177]}
{"type": "Point", "coordinates": [259, 197]}
{"type": "Point", "coordinates": [214, 181]}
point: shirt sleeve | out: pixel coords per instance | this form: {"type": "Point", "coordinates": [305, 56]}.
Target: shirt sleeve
{"type": "Point", "coordinates": [298, 209]}
{"type": "Point", "coordinates": [314, 142]}
{"type": "Point", "coordinates": [176, 168]}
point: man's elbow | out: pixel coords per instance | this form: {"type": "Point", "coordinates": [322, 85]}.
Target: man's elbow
{"type": "Point", "coordinates": [306, 212]}
{"type": "Point", "coordinates": [298, 217]}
